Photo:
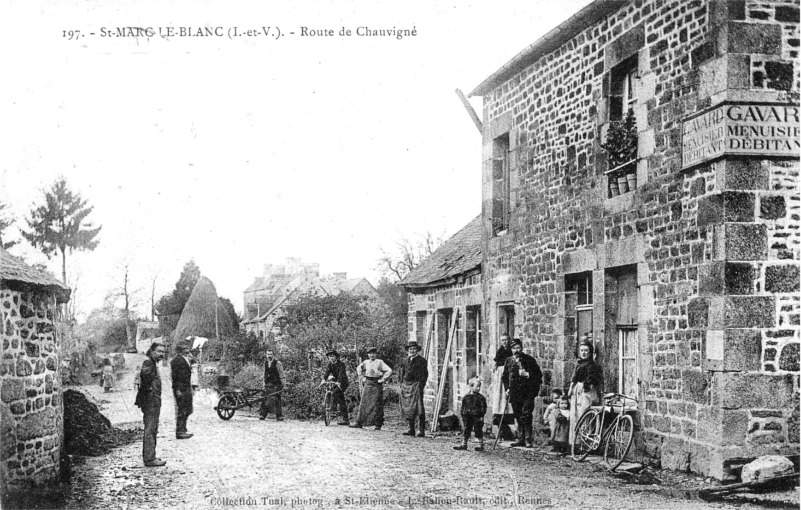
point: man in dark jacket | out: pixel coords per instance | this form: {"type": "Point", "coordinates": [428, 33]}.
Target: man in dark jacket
{"type": "Point", "coordinates": [181, 369]}
{"type": "Point", "coordinates": [274, 382]}
{"type": "Point", "coordinates": [414, 374]}
{"type": "Point", "coordinates": [338, 372]}
{"type": "Point", "coordinates": [522, 378]}
{"type": "Point", "coordinates": [148, 398]}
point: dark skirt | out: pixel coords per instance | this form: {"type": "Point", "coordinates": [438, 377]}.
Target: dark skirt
{"type": "Point", "coordinates": [371, 408]}
{"type": "Point", "coordinates": [412, 400]}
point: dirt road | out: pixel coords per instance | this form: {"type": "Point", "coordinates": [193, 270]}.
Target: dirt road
{"type": "Point", "coordinates": [247, 463]}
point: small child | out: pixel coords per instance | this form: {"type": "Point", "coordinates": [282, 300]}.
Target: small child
{"type": "Point", "coordinates": [551, 411]}
{"type": "Point", "coordinates": [561, 437]}
{"type": "Point", "coordinates": [474, 407]}
{"type": "Point", "coordinates": [136, 377]}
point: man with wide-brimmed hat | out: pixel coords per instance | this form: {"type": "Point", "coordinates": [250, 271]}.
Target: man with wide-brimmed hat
{"type": "Point", "coordinates": [522, 378]}
{"type": "Point", "coordinates": [181, 369]}
{"type": "Point", "coordinates": [414, 374]}
{"type": "Point", "coordinates": [338, 372]}
{"type": "Point", "coordinates": [372, 373]}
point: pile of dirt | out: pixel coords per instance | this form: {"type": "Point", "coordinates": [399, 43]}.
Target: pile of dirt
{"type": "Point", "coordinates": [87, 431]}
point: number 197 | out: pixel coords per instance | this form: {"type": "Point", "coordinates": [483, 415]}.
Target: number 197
{"type": "Point", "coordinates": [71, 34]}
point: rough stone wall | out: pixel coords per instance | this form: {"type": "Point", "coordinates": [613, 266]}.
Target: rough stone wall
{"type": "Point", "coordinates": [30, 390]}
{"type": "Point", "coordinates": [427, 300]}
{"type": "Point", "coordinates": [716, 248]}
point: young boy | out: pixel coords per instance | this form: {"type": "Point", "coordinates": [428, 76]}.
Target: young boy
{"type": "Point", "coordinates": [474, 407]}
{"type": "Point", "coordinates": [552, 411]}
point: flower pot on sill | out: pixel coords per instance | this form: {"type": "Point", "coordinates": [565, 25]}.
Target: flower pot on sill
{"type": "Point", "coordinates": [623, 184]}
{"type": "Point", "coordinates": [632, 181]}
{"type": "Point", "coordinates": [614, 190]}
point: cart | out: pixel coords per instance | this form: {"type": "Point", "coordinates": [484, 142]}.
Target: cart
{"type": "Point", "coordinates": [233, 400]}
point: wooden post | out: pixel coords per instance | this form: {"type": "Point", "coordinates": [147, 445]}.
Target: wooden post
{"type": "Point", "coordinates": [470, 111]}
{"type": "Point", "coordinates": [445, 360]}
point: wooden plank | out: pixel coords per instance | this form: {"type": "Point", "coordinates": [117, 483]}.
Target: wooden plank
{"type": "Point", "coordinates": [445, 361]}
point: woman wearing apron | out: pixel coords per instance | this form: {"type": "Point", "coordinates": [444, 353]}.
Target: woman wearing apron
{"type": "Point", "coordinates": [586, 385]}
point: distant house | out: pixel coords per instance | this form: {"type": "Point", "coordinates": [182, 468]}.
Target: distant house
{"type": "Point", "coordinates": [31, 410]}
{"type": "Point", "coordinates": [445, 317]}
{"type": "Point", "coordinates": [266, 297]}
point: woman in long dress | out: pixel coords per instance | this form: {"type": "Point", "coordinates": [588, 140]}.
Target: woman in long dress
{"type": "Point", "coordinates": [500, 405]}
{"type": "Point", "coordinates": [586, 386]}
{"type": "Point", "coordinates": [372, 373]}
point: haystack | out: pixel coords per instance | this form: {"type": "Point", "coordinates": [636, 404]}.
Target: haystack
{"type": "Point", "coordinates": [198, 317]}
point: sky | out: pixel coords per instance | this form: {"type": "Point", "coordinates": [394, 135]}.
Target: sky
{"type": "Point", "coordinates": [242, 151]}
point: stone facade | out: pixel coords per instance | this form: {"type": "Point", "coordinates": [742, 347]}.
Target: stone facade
{"type": "Point", "coordinates": [685, 276]}
{"type": "Point", "coordinates": [431, 319]}
{"type": "Point", "coordinates": [30, 389]}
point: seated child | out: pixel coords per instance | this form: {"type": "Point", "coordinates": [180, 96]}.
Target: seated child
{"type": "Point", "coordinates": [474, 407]}
{"type": "Point", "coordinates": [551, 411]}
{"type": "Point", "coordinates": [561, 437]}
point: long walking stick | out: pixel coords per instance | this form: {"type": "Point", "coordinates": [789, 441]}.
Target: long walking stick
{"type": "Point", "coordinates": [498, 435]}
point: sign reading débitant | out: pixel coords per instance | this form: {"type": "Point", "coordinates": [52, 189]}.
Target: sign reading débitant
{"type": "Point", "coordinates": [741, 129]}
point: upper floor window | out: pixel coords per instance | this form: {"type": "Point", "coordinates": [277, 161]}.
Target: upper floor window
{"type": "Point", "coordinates": [621, 135]}
{"type": "Point", "coordinates": [501, 186]}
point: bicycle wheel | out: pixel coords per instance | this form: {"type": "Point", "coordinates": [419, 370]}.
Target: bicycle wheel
{"type": "Point", "coordinates": [226, 407]}
{"type": "Point", "coordinates": [618, 441]}
{"type": "Point", "coordinates": [329, 402]}
{"type": "Point", "coordinates": [588, 435]}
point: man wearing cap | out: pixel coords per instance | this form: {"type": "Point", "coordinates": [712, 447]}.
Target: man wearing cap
{"type": "Point", "coordinates": [522, 378]}
{"type": "Point", "coordinates": [372, 373]}
{"type": "Point", "coordinates": [181, 369]}
{"type": "Point", "coordinates": [338, 372]}
{"type": "Point", "coordinates": [414, 374]}
{"type": "Point", "coordinates": [274, 383]}
{"type": "Point", "coordinates": [148, 399]}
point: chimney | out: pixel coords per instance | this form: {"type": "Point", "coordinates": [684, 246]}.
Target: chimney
{"type": "Point", "coordinates": [341, 276]}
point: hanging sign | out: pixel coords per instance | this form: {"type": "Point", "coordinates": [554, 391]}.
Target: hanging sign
{"type": "Point", "coordinates": [741, 129]}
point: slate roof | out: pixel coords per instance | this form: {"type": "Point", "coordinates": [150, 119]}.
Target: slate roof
{"type": "Point", "coordinates": [459, 254]}
{"type": "Point", "coordinates": [13, 269]}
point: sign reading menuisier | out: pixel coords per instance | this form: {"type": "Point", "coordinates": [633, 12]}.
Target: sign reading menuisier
{"type": "Point", "coordinates": [752, 129]}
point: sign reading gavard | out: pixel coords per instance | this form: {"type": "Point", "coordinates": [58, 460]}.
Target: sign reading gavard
{"type": "Point", "coordinates": [753, 129]}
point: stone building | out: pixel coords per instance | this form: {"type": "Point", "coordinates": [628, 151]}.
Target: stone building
{"type": "Point", "coordinates": [31, 411]}
{"type": "Point", "coordinates": [265, 298]}
{"type": "Point", "coordinates": [445, 317]}
{"type": "Point", "coordinates": [640, 185]}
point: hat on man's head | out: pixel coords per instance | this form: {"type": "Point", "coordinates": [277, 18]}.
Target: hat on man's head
{"type": "Point", "coordinates": [516, 341]}
{"type": "Point", "coordinates": [332, 353]}
{"type": "Point", "coordinates": [412, 344]}
{"type": "Point", "coordinates": [372, 349]}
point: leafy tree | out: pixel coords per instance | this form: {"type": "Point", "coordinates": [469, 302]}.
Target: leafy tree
{"type": "Point", "coordinates": [169, 307]}
{"type": "Point", "coordinates": [60, 224]}
{"type": "Point", "coordinates": [105, 327]}
{"type": "Point", "coordinates": [229, 308]}
{"type": "Point", "coordinates": [6, 221]}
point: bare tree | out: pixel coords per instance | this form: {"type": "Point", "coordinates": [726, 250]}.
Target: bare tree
{"type": "Point", "coordinates": [128, 294]}
{"type": "Point", "coordinates": [6, 221]}
{"type": "Point", "coordinates": [408, 254]}
{"type": "Point", "coordinates": [153, 296]}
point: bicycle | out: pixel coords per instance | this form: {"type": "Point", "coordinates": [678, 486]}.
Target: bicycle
{"type": "Point", "coordinates": [616, 438]}
{"type": "Point", "coordinates": [328, 400]}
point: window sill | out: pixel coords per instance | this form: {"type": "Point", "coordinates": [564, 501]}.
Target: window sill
{"type": "Point", "coordinates": [619, 203]}
{"type": "Point", "coordinates": [620, 167]}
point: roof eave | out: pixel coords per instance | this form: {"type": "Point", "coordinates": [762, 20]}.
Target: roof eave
{"type": "Point", "coordinates": [547, 43]}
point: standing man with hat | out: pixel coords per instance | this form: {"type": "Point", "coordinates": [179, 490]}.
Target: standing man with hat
{"type": "Point", "coordinates": [274, 382]}
{"type": "Point", "coordinates": [500, 405]}
{"type": "Point", "coordinates": [413, 381]}
{"type": "Point", "coordinates": [181, 369]}
{"type": "Point", "coordinates": [522, 378]}
{"type": "Point", "coordinates": [372, 373]}
{"type": "Point", "coordinates": [148, 399]}
{"type": "Point", "coordinates": [338, 372]}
